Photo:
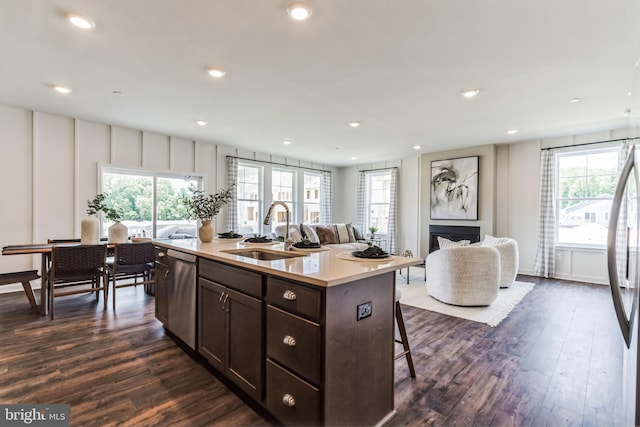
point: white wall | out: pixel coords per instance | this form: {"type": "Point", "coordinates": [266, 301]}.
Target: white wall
{"type": "Point", "coordinates": [51, 164]}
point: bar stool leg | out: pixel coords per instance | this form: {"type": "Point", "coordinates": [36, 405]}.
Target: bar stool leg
{"type": "Point", "coordinates": [404, 341]}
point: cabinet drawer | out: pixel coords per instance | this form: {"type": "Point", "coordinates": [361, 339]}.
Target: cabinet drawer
{"type": "Point", "coordinates": [241, 280]}
{"type": "Point", "coordinates": [294, 298]}
{"type": "Point", "coordinates": [290, 399]}
{"type": "Point", "coordinates": [295, 343]}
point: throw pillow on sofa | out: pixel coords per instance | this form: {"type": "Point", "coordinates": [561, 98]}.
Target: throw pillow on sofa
{"type": "Point", "coordinates": [326, 235]}
{"type": "Point", "coordinates": [309, 233]}
{"type": "Point", "coordinates": [446, 243]}
{"type": "Point", "coordinates": [491, 241]}
{"type": "Point", "coordinates": [342, 233]}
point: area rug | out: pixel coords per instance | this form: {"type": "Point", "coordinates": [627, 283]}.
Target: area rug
{"type": "Point", "coordinates": [415, 295]}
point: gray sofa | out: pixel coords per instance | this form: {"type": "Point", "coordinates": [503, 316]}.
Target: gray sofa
{"type": "Point", "coordinates": [346, 246]}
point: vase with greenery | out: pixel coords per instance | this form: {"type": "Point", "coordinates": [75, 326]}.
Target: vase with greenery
{"type": "Point", "coordinates": [373, 230]}
{"type": "Point", "coordinates": [205, 207]}
{"type": "Point", "coordinates": [118, 232]}
{"type": "Point", "coordinates": [90, 225]}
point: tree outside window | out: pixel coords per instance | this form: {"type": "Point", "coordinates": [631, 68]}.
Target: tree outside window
{"type": "Point", "coordinates": [586, 183]}
{"type": "Point", "coordinates": [132, 194]}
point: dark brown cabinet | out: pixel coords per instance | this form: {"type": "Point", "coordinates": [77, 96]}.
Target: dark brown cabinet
{"type": "Point", "coordinates": [231, 330]}
{"type": "Point", "coordinates": [299, 350]}
{"type": "Point", "coordinates": [161, 295]}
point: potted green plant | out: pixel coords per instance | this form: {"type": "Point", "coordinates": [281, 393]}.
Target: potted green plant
{"type": "Point", "coordinates": [373, 230]}
{"type": "Point", "coordinates": [205, 207]}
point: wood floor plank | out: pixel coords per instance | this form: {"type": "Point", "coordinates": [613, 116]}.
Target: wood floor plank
{"type": "Point", "coordinates": [555, 361]}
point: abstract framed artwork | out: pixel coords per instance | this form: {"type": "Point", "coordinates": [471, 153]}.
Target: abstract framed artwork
{"type": "Point", "coordinates": [454, 188]}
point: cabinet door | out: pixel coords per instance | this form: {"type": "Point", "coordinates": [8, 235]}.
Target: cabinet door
{"type": "Point", "coordinates": [162, 299]}
{"type": "Point", "coordinates": [212, 327]}
{"type": "Point", "coordinates": [245, 364]}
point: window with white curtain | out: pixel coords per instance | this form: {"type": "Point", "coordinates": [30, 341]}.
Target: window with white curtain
{"type": "Point", "coordinates": [307, 192]}
{"type": "Point", "coordinates": [148, 202]}
{"type": "Point", "coordinates": [585, 186]}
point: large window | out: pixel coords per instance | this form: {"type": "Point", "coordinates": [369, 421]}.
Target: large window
{"type": "Point", "coordinates": [586, 183]}
{"type": "Point", "coordinates": [379, 199]}
{"type": "Point", "coordinates": [148, 203]}
{"type": "Point", "coordinates": [282, 189]}
{"type": "Point", "coordinates": [306, 192]}
{"type": "Point", "coordinates": [311, 198]}
{"type": "Point", "coordinates": [249, 200]}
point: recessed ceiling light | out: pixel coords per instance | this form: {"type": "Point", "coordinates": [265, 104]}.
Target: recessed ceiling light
{"type": "Point", "coordinates": [512, 131]}
{"type": "Point", "coordinates": [417, 147]}
{"type": "Point", "coordinates": [286, 142]}
{"type": "Point", "coordinates": [354, 124]}
{"type": "Point", "coordinates": [201, 123]}
{"type": "Point", "coordinates": [354, 158]}
{"type": "Point", "coordinates": [574, 100]}
{"type": "Point", "coordinates": [470, 93]}
{"type": "Point", "coordinates": [62, 89]}
{"type": "Point", "coordinates": [216, 72]}
{"type": "Point", "coordinates": [299, 11]}
{"type": "Point", "coordinates": [80, 21]}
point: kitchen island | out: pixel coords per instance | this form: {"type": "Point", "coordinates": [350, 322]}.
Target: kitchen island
{"type": "Point", "coordinates": [309, 336]}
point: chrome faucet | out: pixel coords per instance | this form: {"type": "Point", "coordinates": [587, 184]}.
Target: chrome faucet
{"type": "Point", "coordinates": [267, 220]}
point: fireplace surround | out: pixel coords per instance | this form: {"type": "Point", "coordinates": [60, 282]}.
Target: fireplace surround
{"type": "Point", "coordinates": [452, 232]}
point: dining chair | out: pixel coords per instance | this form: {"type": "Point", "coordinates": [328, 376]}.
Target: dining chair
{"type": "Point", "coordinates": [77, 269]}
{"type": "Point", "coordinates": [131, 262]}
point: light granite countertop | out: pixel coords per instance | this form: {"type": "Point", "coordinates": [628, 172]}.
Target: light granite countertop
{"type": "Point", "coordinates": [325, 268]}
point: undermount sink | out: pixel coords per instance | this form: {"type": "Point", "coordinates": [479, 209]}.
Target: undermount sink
{"type": "Point", "coordinates": [262, 254]}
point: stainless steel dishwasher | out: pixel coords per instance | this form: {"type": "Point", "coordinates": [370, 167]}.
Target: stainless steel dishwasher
{"type": "Point", "coordinates": [181, 296]}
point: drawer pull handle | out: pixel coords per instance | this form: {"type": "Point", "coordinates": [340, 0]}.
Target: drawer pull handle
{"type": "Point", "coordinates": [289, 340]}
{"type": "Point", "coordinates": [288, 400]}
{"type": "Point", "coordinates": [289, 295]}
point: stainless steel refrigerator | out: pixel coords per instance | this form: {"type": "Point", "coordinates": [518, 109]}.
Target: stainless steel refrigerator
{"type": "Point", "coordinates": [624, 277]}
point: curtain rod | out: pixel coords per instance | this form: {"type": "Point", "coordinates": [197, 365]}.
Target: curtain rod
{"type": "Point", "coordinates": [378, 169]}
{"type": "Point", "coordinates": [279, 164]}
{"type": "Point", "coordinates": [591, 143]}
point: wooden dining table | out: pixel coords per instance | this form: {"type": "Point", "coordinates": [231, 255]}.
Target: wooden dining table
{"type": "Point", "coordinates": [45, 250]}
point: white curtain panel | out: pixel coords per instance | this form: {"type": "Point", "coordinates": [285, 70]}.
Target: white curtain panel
{"type": "Point", "coordinates": [546, 251]}
{"type": "Point", "coordinates": [393, 215]}
{"type": "Point", "coordinates": [232, 180]}
{"type": "Point", "coordinates": [326, 199]}
{"type": "Point", "coordinates": [361, 207]}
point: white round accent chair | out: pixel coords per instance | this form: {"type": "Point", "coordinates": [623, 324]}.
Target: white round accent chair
{"type": "Point", "coordinates": [464, 275]}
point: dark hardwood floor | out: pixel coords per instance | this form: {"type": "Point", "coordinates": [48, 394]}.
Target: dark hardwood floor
{"type": "Point", "coordinates": [555, 361]}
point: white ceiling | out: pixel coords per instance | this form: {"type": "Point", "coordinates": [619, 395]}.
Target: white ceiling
{"type": "Point", "coordinates": [398, 66]}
